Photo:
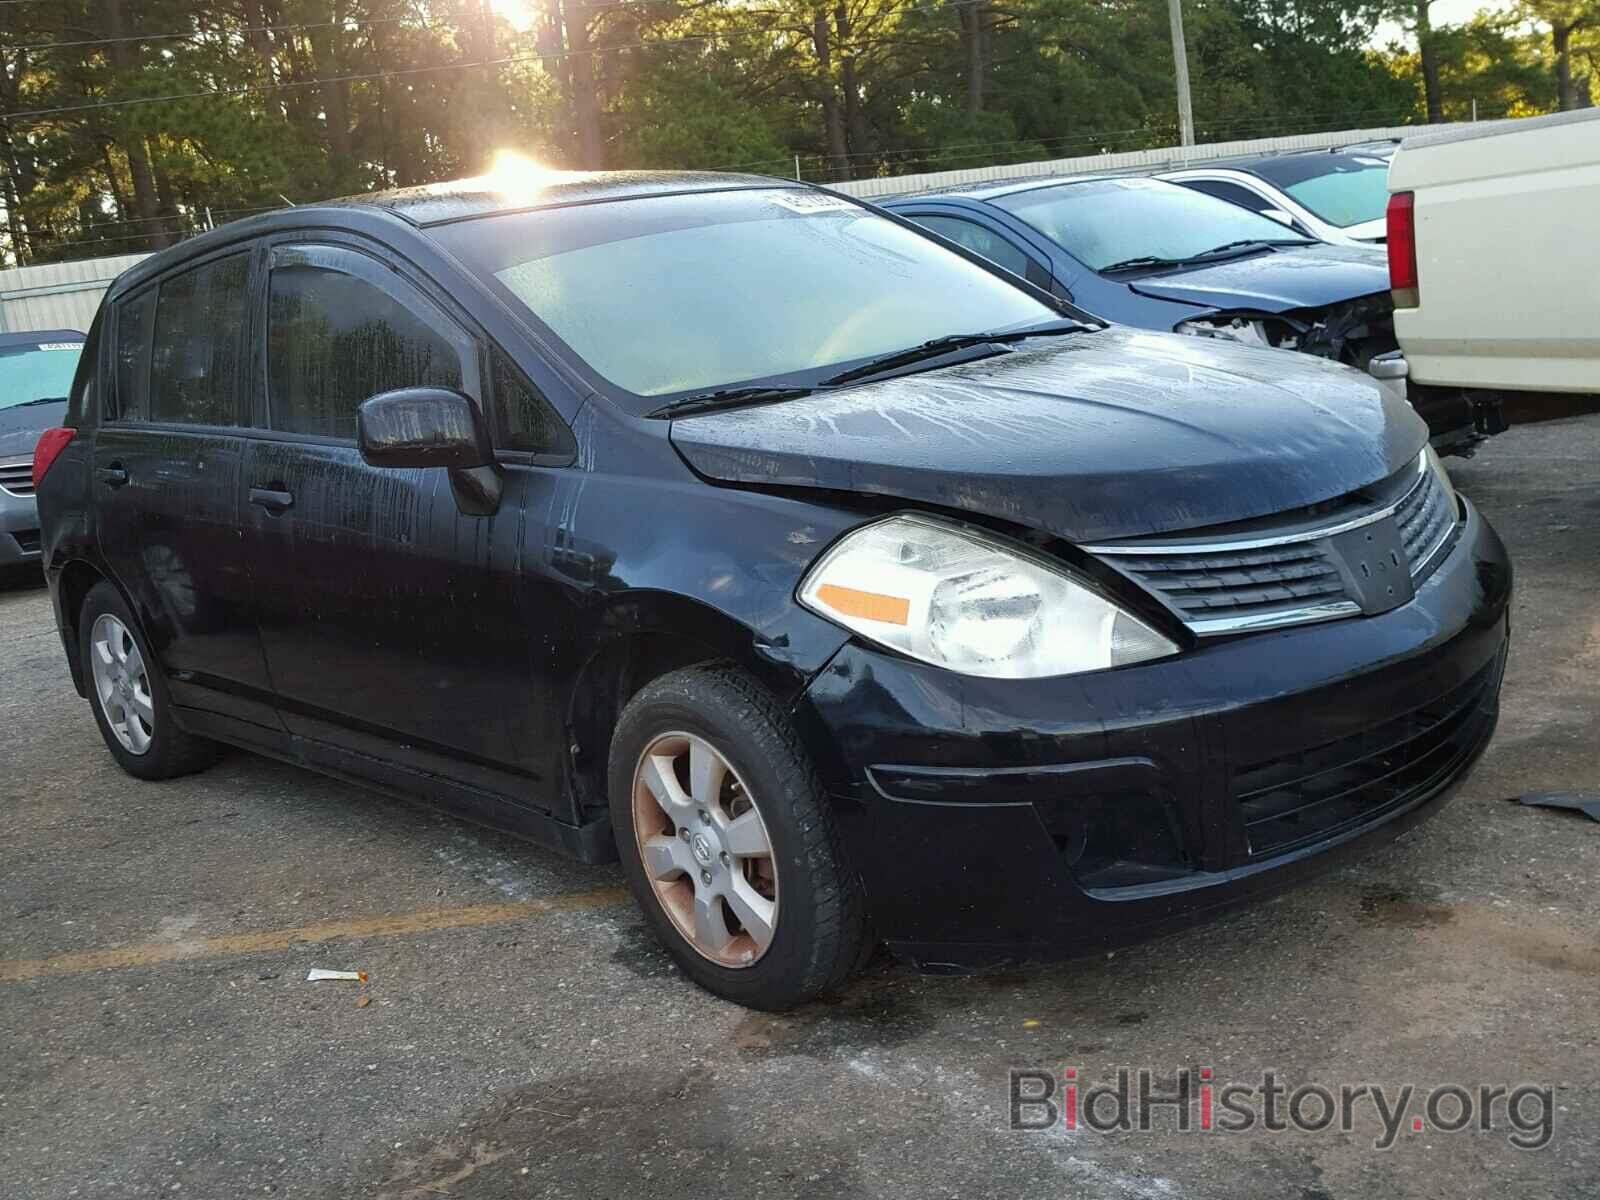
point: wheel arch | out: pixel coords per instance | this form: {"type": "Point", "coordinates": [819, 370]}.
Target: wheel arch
{"type": "Point", "coordinates": [76, 579]}
{"type": "Point", "coordinates": [643, 637]}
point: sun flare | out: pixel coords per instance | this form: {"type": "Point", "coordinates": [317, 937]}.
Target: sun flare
{"type": "Point", "coordinates": [518, 13]}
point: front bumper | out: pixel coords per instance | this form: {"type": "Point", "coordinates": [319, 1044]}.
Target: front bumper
{"type": "Point", "coordinates": [19, 529]}
{"type": "Point", "coordinates": [997, 822]}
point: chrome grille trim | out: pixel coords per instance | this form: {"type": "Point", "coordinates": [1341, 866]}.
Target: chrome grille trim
{"type": "Point", "coordinates": [16, 476]}
{"type": "Point", "coordinates": [1265, 578]}
{"type": "Point", "coordinates": [1216, 626]}
{"type": "Point", "coordinates": [1260, 543]}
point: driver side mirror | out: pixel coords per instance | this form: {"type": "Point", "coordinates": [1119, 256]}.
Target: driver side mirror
{"type": "Point", "coordinates": [432, 427]}
{"type": "Point", "coordinates": [422, 427]}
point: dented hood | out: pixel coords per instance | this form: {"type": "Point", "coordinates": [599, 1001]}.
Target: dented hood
{"type": "Point", "coordinates": [1288, 278]}
{"type": "Point", "coordinates": [1092, 436]}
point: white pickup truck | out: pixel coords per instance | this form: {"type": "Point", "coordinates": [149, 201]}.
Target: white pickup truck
{"type": "Point", "coordinates": [1494, 261]}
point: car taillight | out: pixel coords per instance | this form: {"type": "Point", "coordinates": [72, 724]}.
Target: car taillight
{"type": "Point", "coordinates": [1402, 225]}
{"type": "Point", "coordinates": [51, 443]}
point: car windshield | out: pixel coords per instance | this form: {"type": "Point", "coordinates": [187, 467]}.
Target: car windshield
{"type": "Point", "coordinates": [1343, 190]}
{"type": "Point", "coordinates": [37, 372]}
{"type": "Point", "coordinates": [1105, 221]}
{"type": "Point", "coordinates": [698, 292]}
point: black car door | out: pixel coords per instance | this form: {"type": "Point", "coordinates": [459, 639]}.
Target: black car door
{"type": "Point", "coordinates": [168, 455]}
{"type": "Point", "coordinates": [392, 620]}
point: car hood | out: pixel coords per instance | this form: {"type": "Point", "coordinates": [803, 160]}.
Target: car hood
{"type": "Point", "coordinates": [1092, 436]}
{"type": "Point", "coordinates": [1376, 230]}
{"type": "Point", "coordinates": [1288, 278]}
{"type": "Point", "coordinates": [20, 427]}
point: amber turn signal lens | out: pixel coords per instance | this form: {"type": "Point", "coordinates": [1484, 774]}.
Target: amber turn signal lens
{"type": "Point", "coordinates": [870, 606]}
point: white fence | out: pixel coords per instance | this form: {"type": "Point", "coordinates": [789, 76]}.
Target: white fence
{"type": "Point", "coordinates": [896, 185]}
{"type": "Point", "coordinates": [65, 295]}
{"type": "Point", "coordinates": [57, 295]}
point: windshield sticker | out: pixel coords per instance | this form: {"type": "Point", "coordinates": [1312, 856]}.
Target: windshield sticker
{"type": "Point", "coordinates": [812, 202]}
{"type": "Point", "coordinates": [61, 345]}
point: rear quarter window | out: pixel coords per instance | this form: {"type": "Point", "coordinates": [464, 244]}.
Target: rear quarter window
{"type": "Point", "coordinates": [85, 382]}
{"type": "Point", "coordinates": [129, 400]}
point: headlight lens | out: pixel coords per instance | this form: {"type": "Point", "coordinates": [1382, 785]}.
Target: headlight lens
{"type": "Point", "coordinates": [1431, 462]}
{"type": "Point", "coordinates": [959, 600]}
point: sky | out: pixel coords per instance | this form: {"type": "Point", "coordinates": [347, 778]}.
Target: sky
{"type": "Point", "coordinates": [1443, 12]}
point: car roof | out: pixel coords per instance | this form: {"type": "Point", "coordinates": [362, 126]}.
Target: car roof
{"type": "Point", "coordinates": [1288, 166]}
{"type": "Point", "coordinates": [433, 203]}
{"type": "Point", "coordinates": [991, 189]}
{"type": "Point", "coordinates": [453, 200]}
{"type": "Point", "coordinates": [36, 337]}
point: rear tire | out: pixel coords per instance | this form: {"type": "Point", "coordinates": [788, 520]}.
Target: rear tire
{"type": "Point", "coordinates": [128, 693]}
{"type": "Point", "coordinates": [757, 903]}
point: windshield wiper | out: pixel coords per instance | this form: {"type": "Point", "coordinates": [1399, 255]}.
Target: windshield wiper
{"type": "Point", "coordinates": [1143, 260]}
{"type": "Point", "coordinates": [1154, 260]}
{"type": "Point", "coordinates": [685, 405]}
{"type": "Point", "coordinates": [40, 400]}
{"type": "Point", "coordinates": [940, 346]}
{"type": "Point", "coordinates": [1251, 244]}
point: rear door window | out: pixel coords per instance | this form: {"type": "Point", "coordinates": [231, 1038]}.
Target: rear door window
{"type": "Point", "coordinates": [197, 348]}
{"type": "Point", "coordinates": [341, 328]}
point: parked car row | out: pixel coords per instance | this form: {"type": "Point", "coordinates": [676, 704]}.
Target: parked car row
{"type": "Point", "coordinates": [844, 584]}
{"type": "Point", "coordinates": [1171, 255]}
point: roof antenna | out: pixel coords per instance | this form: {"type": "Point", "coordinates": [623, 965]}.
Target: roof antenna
{"type": "Point", "coordinates": [286, 200]}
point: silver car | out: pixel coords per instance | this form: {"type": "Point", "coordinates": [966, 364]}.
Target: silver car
{"type": "Point", "coordinates": [35, 372]}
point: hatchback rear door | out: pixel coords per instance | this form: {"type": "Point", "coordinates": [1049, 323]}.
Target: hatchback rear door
{"type": "Point", "coordinates": [164, 489]}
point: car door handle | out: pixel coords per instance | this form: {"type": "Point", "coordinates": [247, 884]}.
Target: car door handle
{"type": "Point", "coordinates": [113, 476]}
{"type": "Point", "coordinates": [272, 501]}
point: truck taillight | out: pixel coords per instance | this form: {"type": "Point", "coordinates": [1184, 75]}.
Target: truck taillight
{"type": "Point", "coordinates": [51, 443]}
{"type": "Point", "coordinates": [1402, 222]}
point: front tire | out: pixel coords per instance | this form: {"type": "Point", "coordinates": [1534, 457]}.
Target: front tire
{"type": "Point", "coordinates": [728, 843]}
{"type": "Point", "coordinates": [129, 696]}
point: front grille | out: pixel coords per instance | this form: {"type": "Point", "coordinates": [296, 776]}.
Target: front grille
{"type": "Point", "coordinates": [1213, 585]}
{"type": "Point", "coordinates": [1424, 520]}
{"type": "Point", "coordinates": [1299, 566]}
{"type": "Point", "coordinates": [27, 540]}
{"type": "Point", "coordinates": [16, 476]}
{"type": "Point", "coordinates": [1318, 792]}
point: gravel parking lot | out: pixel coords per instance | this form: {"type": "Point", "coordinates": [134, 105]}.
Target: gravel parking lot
{"type": "Point", "coordinates": [524, 1037]}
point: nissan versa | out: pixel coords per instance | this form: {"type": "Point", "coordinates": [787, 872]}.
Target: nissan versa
{"type": "Point", "coordinates": [846, 589]}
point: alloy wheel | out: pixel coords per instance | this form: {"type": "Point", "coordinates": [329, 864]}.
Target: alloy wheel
{"type": "Point", "coordinates": [705, 849]}
{"type": "Point", "coordinates": [122, 684]}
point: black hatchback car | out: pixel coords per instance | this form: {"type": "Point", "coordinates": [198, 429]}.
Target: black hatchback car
{"type": "Point", "coordinates": [847, 588]}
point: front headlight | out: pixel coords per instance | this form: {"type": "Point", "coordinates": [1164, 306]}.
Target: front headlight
{"type": "Point", "coordinates": [1431, 462]}
{"type": "Point", "coordinates": [960, 600]}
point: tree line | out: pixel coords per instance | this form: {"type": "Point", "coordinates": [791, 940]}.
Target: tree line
{"type": "Point", "coordinates": [126, 124]}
